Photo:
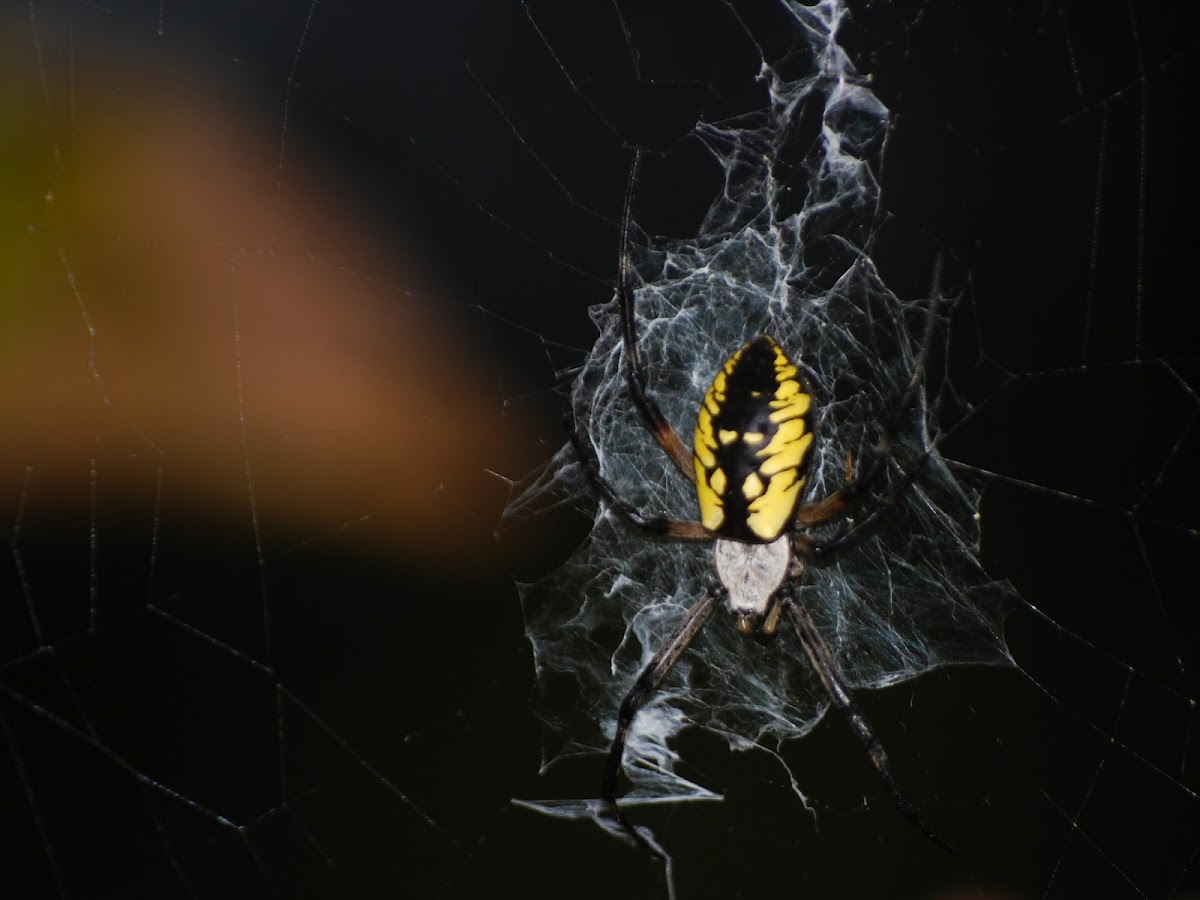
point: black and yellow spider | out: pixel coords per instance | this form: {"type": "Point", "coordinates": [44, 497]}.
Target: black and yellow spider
{"type": "Point", "coordinates": [749, 463]}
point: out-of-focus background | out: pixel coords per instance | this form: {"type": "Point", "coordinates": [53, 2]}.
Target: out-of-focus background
{"type": "Point", "coordinates": [289, 294]}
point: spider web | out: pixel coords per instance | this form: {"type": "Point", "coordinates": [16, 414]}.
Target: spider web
{"type": "Point", "coordinates": [913, 597]}
{"type": "Point", "coordinates": [285, 283]}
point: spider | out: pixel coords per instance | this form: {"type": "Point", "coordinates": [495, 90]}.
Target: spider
{"type": "Point", "coordinates": [749, 461]}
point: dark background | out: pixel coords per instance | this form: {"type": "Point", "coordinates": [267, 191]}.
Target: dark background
{"type": "Point", "coordinates": [207, 700]}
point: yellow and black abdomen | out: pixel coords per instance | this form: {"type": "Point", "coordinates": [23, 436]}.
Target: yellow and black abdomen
{"type": "Point", "coordinates": [752, 446]}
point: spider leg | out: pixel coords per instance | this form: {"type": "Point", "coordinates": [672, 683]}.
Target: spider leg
{"type": "Point", "coordinates": [657, 525]}
{"type": "Point", "coordinates": [635, 369]}
{"type": "Point", "coordinates": [647, 683]}
{"type": "Point", "coordinates": [850, 534]}
{"type": "Point", "coordinates": [823, 662]}
{"type": "Point", "coordinates": [837, 503]}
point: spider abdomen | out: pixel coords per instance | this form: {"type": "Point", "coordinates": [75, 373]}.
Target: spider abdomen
{"type": "Point", "coordinates": [752, 444]}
